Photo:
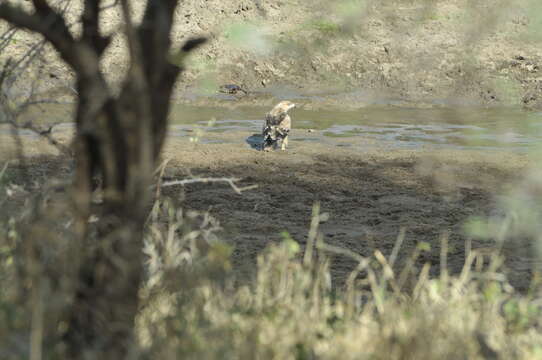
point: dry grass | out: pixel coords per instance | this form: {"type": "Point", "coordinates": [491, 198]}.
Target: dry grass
{"type": "Point", "coordinates": [292, 311]}
{"type": "Point", "coordinates": [193, 308]}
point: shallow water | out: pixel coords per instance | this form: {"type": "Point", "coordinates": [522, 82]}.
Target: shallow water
{"type": "Point", "coordinates": [448, 127]}
{"type": "Point", "coordinates": [483, 128]}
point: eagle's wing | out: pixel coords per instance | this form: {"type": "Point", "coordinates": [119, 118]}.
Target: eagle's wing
{"type": "Point", "coordinates": [272, 119]}
{"type": "Point", "coordinates": [286, 123]}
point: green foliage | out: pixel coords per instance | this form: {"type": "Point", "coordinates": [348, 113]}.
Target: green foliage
{"type": "Point", "coordinates": [534, 25]}
{"type": "Point", "coordinates": [324, 26]}
{"type": "Point", "coordinates": [520, 314]}
{"type": "Point", "coordinates": [249, 37]}
{"type": "Point", "coordinates": [424, 246]}
{"type": "Point", "coordinates": [346, 8]}
{"type": "Point", "coordinates": [508, 90]}
{"type": "Point", "coordinates": [478, 227]}
{"type": "Point", "coordinates": [291, 247]}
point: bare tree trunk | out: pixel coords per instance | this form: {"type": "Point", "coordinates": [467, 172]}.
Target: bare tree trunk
{"type": "Point", "coordinates": [120, 139]}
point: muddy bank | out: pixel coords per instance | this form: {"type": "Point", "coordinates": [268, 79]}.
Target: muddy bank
{"type": "Point", "coordinates": [370, 196]}
{"type": "Point", "coordinates": [471, 128]}
{"type": "Point", "coordinates": [351, 52]}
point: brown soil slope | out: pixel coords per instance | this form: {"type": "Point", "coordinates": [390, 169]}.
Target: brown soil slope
{"type": "Point", "coordinates": [455, 51]}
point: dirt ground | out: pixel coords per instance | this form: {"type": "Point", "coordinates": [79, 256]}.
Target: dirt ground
{"type": "Point", "coordinates": [421, 52]}
{"type": "Point", "coordinates": [369, 196]}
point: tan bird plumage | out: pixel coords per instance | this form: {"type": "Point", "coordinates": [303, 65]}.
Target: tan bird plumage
{"type": "Point", "coordinates": [277, 126]}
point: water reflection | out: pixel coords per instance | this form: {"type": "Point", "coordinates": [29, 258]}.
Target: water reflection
{"type": "Point", "coordinates": [458, 127]}
{"type": "Point", "coordinates": [483, 128]}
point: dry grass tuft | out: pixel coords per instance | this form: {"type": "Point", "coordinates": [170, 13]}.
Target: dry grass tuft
{"type": "Point", "coordinates": [292, 311]}
{"type": "Point", "coordinates": [192, 307]}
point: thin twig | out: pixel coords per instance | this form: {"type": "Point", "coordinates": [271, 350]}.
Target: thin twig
{"type": "Point", "coordinates": [7, 36]}
{"type": "Point", "coordinates": [313, 232]}
{"type": "Point", "coordinates": [397, 247]}
{"type": "Point", "coordinates": [22, 108]}
{"type": "Point", "coordinates": [321, 245]}
{"type": "Point", "coordinates": [42, 133]}
{"type": "Point", "coordinates": [112, 5]}
{"type": "Point", "coordinates": [37, 322]}
{"type": "Point", "coordinates": [160, 170]}
{"type": "Point", "coordinates": [3, 171]}
{"type": "Point", "coordinates": [229, 181]}
{"type": "Point", "coordinates": [29, 56]}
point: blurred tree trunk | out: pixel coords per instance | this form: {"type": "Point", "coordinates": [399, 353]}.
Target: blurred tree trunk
{"type": "Point", "coordinates": [120, 138]}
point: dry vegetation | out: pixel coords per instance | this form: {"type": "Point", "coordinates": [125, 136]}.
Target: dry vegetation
{"type": "Point", "coordinates": [190, 301]}
{"type": "Point", "coordinates": [192, 307]}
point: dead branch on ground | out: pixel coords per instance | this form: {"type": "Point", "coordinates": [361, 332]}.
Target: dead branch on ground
{"type": "Point", "coordinates": [230, 181]}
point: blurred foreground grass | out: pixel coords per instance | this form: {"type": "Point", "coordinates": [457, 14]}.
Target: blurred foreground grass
{"type": "Point", "coordinates": [192, 307]}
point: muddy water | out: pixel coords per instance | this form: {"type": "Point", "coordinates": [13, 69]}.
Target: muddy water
{"type": "Point", "coordinates": [483, 128]}
{"type": "Point", "coordinates": [469, 128]}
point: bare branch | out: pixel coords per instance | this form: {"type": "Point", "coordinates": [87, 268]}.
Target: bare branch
{"type": "Point", "coordinates": [15, 68]}
{"type": "Point", "coordinates": [22, 109]}
{"type": "Point", "coordinates": [160, 172]}
{"type": "Point", "coordinates": [80, 55]}
{"type": "Point", "coordinates": [112, 5]}
{"type": "Point", "coordinates": [91, 31]}
{"type": "Point", "coordinates": [44, 133]}
{"type": "Point", "coordinates": [229, 181]}
{"type": "Point", "coordinates": [363, 261]}
{"type": "Point", "coordinates": [4, 74]}
{"type": "Point", "coordinates": [13, 114]}
{"type": "Point", "coordinates": [118, 138]}
{"type": "Point", "coordinates": [27, 58]}
{"type": "Point", "coordinates": [42, 7]}
{"type": "Point", "coordinates": [46, 22]}
{"type": "Point", "coordinates": [7, 36]}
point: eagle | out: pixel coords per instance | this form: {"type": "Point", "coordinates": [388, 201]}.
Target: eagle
{"type": "Point", "coordinates": [277, 126]}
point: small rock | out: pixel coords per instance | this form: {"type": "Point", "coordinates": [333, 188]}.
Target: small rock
{"type": "Point", "coordinates": [310, 130]}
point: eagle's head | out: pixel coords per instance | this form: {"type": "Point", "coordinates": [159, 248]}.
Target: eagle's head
{"type": "Point", "coordinates": [284, 107]}
{"type": "Point", "coordinates": [279, 113]}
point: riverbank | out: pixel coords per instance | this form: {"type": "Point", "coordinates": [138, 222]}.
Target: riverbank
{"type": "Point", "coordinates": [370, 195]}
{"type": "Point", "coordinates": [424, 53]}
